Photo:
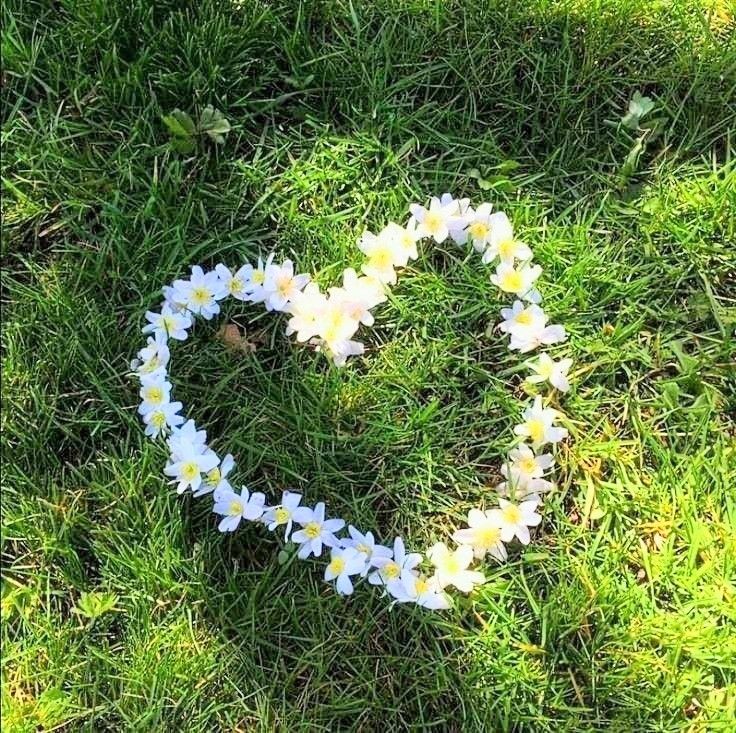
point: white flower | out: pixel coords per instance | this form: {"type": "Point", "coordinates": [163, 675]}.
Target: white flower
{"type": "Point", "coordinates": [522, 317]}
{"type": "Point", "coordinates": [187, 438]}
{"type": "Point", "coordinates": [451, 567]}
{"type": "Point", "coordinates": [307, 308]}
{"type": "Point", "coordinates": [155, 392]}
{"type": "Point", "coordinates": [502, 243]}
{"type": "Point", "coordinates": [153, 357]}
{"type": "Point", "coordinates": [439, 219]}
{"type": "Point", "coordinates": [215, 480]}
{"type": "Point", "coordinates": [457, 227]}
{"type": "Point", "coordinates": [391, 567]}
{"type": "Point", "coordinates": [316, 530]}
{"type": "Point", "coordinates": [168, 322]}
{"type": "Point", "coordinates": [524, 473]}
{"type": "Point", "coordinates": [423, 591]}
{"type": "Point", "coordinates": [384, 254]}
{"type": "Point", "coordinates": [549, 370]}
{"type": "Point", "coordinates": [406, 239]}
{"type": "Point", "coordinates": [344, 562]}
{"type": "Point", "coordinates": [255, 279]}
{"type": "Point", "coordinates": [528, 329]}
{"type": "Point", "coordinates": [340, 351]}
{"type": "Point", "coordinates": [518, 281]}
{"type": "Point", "coordinates": [200, 293]}
{"type": "Point", "coordinates": [479, 227]}
{"type": "Point", "coordinates": [234, 284]}
{"type": "Point", "coordinates": [366, 545]}
{"type": "Point", "coordinates": [539, 426]}
{"type": "Point", "coordinates": [281, 284]}
{"type": "Point", "coordinates": [234, 507]}
{"type": "Point", "coordinates": [187, 468]}
{"type": "Point", "coordinates": [461, 205]}
{"type": "Point", "coordinates": [162, 419]}
{"type": "Point", "coordinates": [517, 518]}
{"type": "Point", "coordinates": [357, 296]}
{"type": "Point", "coordinates": [367, 289]}
{"type": "Point", "coordinates": [403, 241]}
{"type": "Point", "coordinates": [335, 326]}
{"type": "Point", "coordinates": [483, 534]}
{"type": "Point", "coordinates": [171, 301]}
{"type": "Point", "coordinates": [526, 341]}
{"type": "Point", "coordinates": [283, 513]}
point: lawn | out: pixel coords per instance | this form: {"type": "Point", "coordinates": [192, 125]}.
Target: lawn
{"type": "Point", "coordinates": [123, 608]}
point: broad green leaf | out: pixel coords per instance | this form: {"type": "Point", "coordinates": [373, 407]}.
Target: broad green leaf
{"type": "Point", "coordinates": [507, 166]}
{"type": "Point", "coordinates": [688, 363]}
{"type": "Point", "coordinates": [183, 144]}
{"type": "Point", "coordinates": [180, 124]}
{"type": "Point", "coordinates": [53, 707]}
{"type": "Point", "coordinates": [631, 162]}
{"type": "Point", "coordinates": [213, 124]}
{"type": "Point", "coordinates": [93, 604]}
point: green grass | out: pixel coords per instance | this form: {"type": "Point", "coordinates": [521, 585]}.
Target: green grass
{"type": "Point", "coordinates": [620, 616]}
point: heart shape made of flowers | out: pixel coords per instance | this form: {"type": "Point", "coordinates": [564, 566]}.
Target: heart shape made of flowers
{"type": "Point", "coordinates": [328, 321]}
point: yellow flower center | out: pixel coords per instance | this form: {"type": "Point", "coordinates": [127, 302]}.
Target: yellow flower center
{"type": "Point", "coordinates": [432, 222]}
{"type": "Point", "coordinates": [158, 420]}
{"type": "Point", "coordinates": [406, 241]}
{"type": "Point", "coordinates": [169, 323]}
{"type": "Point", "coordinates": [235, 508]}
{"type": "Point", "coordinates": [545, 369]}
{"type": "Point", "coordinates": [421, 586]}
{"type": "Point", "coordinates": [189, 470]}
{"type": "Point", "coordinates": [337, 565]}
{"type": "Point", "coordinates": [258, 277]}
{"type": "Point", "coordinates": [478, 230]}
{"type": "Point", "coordinates": [536, 430]}
{"type": "Point", "coordinates": [282, 515]}
{"type": "Point", "coordinates": [335, 322]}
{"type": "Point", "coordinates": [391, 570]}
{"type": "Point", "coordinates": [313, 530]}
{"type": "Point", "coordinates": [488, 536]}
{"type": "Point", "coordinates": [200, 296]}
{"type": "Point", "coordinates": [450, 565]}
{"type": "Point", "coordinates": [512, 281]}
{"type": "Point", "coordinates": [214, 476]}
{"type": "Point", "coordinates": [524, 318]}
{"type": "Point", "coordinates": [362, 547]}
{"type": "Point", "coordinates": [381, 258]}
{"type": "Point", "coordinates": [507, 248]}
{"type": "Point", "coordinates": [236, 285]}
{"type": "Point", "coordinates": [512, 514]}
{"type": "Point", "coordinates": [283, 285]}
{"type": "Point", "coordinates": [154, 394]}
{"type": "Point", "coordinates": [527, 465]}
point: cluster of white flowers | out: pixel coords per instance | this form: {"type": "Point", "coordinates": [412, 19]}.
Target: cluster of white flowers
{"type": "Point", "coordinates": [329, 320]}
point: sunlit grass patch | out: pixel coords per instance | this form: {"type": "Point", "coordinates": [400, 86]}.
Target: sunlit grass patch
{"type": "Point", "coordinates": [123, 608]}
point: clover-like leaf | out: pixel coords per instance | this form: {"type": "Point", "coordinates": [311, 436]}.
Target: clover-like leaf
{"type": "Point", "coordinates": [639, 107]}
{"type": "Point", "coordinates": [214, 124]}
{"type": "Point", "coordinates": [496, 176]}
{"type": "Point", "coordinates": [93, 604]}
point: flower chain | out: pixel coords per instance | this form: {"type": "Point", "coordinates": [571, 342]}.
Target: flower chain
{"type": "Point", "coordinates": [329, 321]}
